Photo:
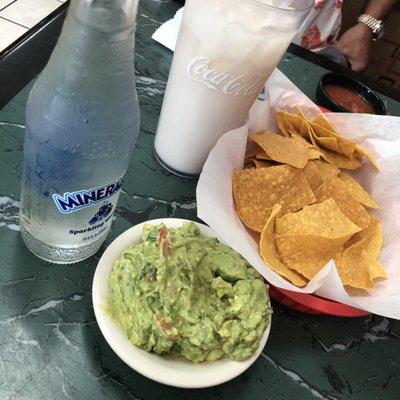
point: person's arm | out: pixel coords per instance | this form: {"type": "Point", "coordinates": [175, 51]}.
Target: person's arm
{"type": "Point", "coordinates": [355, 42]}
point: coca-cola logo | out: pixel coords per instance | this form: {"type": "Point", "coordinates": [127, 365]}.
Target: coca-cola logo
{"type": "Point", "coordinates": [246, 84]}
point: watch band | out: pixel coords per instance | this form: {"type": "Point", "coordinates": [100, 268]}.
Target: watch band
{"type": "Point", "coordinates": [376, 25]}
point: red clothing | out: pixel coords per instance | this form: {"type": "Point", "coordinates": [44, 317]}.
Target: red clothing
{"type": "Point", "coordinates": [322, 25]}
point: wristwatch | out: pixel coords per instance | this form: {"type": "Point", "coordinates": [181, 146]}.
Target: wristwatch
{"type": "Point", "coordinates": [376, 25]}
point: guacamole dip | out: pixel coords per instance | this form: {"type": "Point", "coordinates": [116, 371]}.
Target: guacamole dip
{"type": "Point", "coordinates": [178, 290]}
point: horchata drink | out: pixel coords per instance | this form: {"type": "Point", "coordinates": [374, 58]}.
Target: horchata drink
{"type": "Point", "coordinates": [225, 52]}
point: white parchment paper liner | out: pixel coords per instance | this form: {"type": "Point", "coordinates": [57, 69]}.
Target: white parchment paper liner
{"type": "Point", "coordinates": [378, 134]}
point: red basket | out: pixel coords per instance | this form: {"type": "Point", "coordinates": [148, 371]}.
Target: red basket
{"type": "Point", "coordinates": [313, 304]}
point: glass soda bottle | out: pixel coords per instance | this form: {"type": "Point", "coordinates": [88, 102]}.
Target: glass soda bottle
{"type": "Point", "coordinates": [82, 120]}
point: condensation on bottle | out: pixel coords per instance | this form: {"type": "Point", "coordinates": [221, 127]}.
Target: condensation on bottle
{"type": "Point", "coordinates": [82, 120]}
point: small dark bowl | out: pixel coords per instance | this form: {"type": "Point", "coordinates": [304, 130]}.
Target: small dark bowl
{"type": "Point", "coordinates": [326, 101]}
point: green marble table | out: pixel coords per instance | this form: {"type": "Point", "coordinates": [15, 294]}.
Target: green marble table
{"type": "Point", "coordinates": [50, 344]}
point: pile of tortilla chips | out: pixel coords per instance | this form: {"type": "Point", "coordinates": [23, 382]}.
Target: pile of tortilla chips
{"type": "Point", "coordinates": [295, 198]}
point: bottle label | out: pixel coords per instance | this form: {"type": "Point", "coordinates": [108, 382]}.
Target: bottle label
{"type": "Point", "coordinates": [97, 206]}
{"type": "Point", "coordinates": [71, 202]}
{"type": "Point", "coordinates": [247, 84]}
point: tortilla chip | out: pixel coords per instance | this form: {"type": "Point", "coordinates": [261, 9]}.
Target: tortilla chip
{"type": "Point", "coordinates": [328, 143]}
{"type": "Point", "coordinates": [360, 152]}
{"type": "Point", "coordinates": [288, 121]}
{"type": "Point", "coordinates": [317, 171]}
{"type": "Point", "coordinates": [252, 149]}
{"type": "Point", "coordinates": [300, 112]}
{"type": "Point", "coordinates": [377, 271]}
{"type": "Point", "coordinates": [366, 232]}
{"type": "Point", "coordinates": [373, 241]}
{"type": "Point", "coordinates": [263, 156]}
{"type": "Point", "coordinates": [269, 254]}
{"type": "Point", "coordinates": [313, 175]}
{"type": "Point", "coordinates": [299, 195]}
{"type": "Point", "coordinates": [257, 190]}
{"type": "Point", "coordinates": [345, 146]}
{"type": "Point", "coordinates": [373, 236]}
{"type": "Point", "coordinates": [263, 164]}
{"type": "Point", "coordinates": [323, 132]}
{"type": "Point", "coordinates": [282, 149]}
{"type": "Point", "coordinates": [358, 263]}
{"type": "Point", "coordinates": [313, 153]}
{"type": "Point", "coordinates": [323, 121]}
{"type": "Point", "coordinates": [307, 267]}
{"type": "Point", "coordinates": [324, 219]}
{"type": "Point", "coordinates": [353, 269]}
{"type": "Point", "coordinates": [308, 239]}
{"type": "Point", "coordinates": [357, 191]}
{"type": "Point", "coordinates": [339, 160]}
{"type": "Point", "coordinates": [336, 159]}
{"type": "Point", "coordinates": [312, 136]}
{"type": "Point", "coordinates": [293, 133]}
{"type": "Point", "coordinates": [335, 188]}
{"type": "Point", "coordinates": [280, 121]}
{"type": "Point", "coordinates": [327, 170]}
{"type": "Point", "coordinates": [294, 121]}
{"type": "Point", "coordinates": [323, 128]}
{"type": "Point", "coordinates": [309, 248]}
{"type": "Point", "coordinates": [305, 132]}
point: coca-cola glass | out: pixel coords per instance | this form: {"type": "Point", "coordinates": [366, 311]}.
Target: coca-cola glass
{"type": "Point", "coordinates": [225, 52]}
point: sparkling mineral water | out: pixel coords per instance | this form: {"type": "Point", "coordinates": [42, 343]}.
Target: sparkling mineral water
{"type": "Point", "coordinates": [82, 120]}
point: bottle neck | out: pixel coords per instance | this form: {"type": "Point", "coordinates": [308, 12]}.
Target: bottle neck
{"type": "Point", "coordinates": [94, 54]}
{"type": "Point", "coordinates": [96, 42]}
{"type": "Point", "coordinates": [106, 16]}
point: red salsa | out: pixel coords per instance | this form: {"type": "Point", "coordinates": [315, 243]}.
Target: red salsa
{"type": "Point", "coordinates": [349, 99]}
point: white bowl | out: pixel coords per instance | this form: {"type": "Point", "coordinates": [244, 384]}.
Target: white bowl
{"type": "Point", "coordinates": [173, 369]}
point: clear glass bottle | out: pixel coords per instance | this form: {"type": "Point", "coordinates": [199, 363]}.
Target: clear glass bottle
{"type": "Point", "coordinates": [82, 120]}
